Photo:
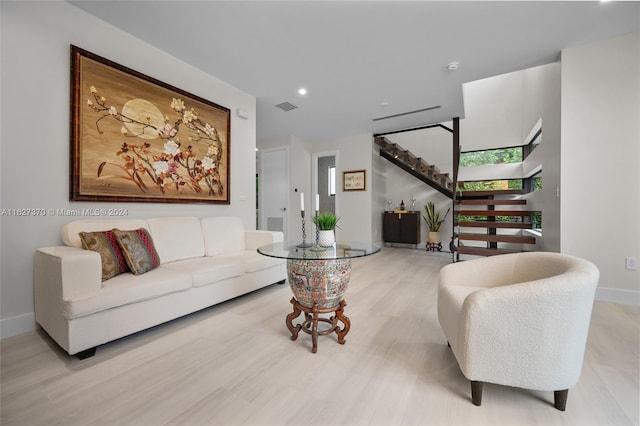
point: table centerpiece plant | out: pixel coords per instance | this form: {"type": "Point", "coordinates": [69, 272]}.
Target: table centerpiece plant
{"type": "Point", "coordinates": [326, 223]}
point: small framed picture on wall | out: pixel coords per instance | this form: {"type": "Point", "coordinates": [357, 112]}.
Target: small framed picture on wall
{"type": "Point", "coordinates": [354, 180]}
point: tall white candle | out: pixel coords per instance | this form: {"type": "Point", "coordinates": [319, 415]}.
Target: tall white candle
{"type": "Point", "coordinates": [317, 202]}
{"type": "Point", "coordinates": [302, 201]}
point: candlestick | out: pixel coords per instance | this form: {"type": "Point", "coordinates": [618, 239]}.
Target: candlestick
{"type": "Point", "coordinates": [317, 203]}
{"type": "Point", "coordinates": [304, 243]}
{"type": "Point", "coordinates": [302, 202]}
{"type": "Point", "coordinates": [317, 247]}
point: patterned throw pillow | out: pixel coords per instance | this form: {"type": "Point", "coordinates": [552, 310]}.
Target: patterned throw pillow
{"type": "Point", "coordinates": [105, 243]}
{"type": "Point", "coordinates": [138, 249]}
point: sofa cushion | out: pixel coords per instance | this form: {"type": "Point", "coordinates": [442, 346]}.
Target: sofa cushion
{"type": "Point", "coordinates": [106, 244]}
{"type": "Point", "coordinates": [70, 231]}
{"type": "Point", "coordinates": [177, 238]}
{"type": "Point", "coordinates": [253, 261]}
{"type": "Point", "coordinates": [207, 270]}
{"type": "Point", "coordinates": [223, 235]}
{"type": "Point", "coordinates": [138, 249]}
{"type": "Point", "coordinates": [128, 288]}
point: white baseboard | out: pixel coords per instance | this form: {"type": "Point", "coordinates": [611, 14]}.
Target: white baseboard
{"type": "Point", "coordinates": [17, 325]}
{"type": "Point", "coordinates": [616, 295]}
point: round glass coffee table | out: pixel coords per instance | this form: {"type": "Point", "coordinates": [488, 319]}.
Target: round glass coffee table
{"type": "Point", "coordinates": [318, 278]}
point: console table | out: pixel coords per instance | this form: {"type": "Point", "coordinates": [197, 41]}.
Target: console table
{"type": "Point", "coordinates": [401, 227]}
{"type": "Point", "coordinates": [318, 278]}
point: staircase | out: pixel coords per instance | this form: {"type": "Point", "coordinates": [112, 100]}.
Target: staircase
{"type": "Point", "coordinates": [416, 166]}
{"type": "Point", "coordinates": [494, 218]}
{"type": "Point", "coordinates": [487, 223]}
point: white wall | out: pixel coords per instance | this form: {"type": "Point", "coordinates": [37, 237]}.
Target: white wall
{"type": "Point", "coordinates": [493, 112]}
{"type": "Point", "coordinates": [35, 134]}
{"type": "Point", "coordinates": [601, 160]}
{"type": "Point", "coordinates": [542, 104]}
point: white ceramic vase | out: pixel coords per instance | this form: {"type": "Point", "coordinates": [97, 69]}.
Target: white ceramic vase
{"type": "Point", "coordinates": [326, 238]}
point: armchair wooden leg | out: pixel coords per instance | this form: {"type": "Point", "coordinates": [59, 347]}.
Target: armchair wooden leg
{"type": "Point", "coordinates": [476, 392]}
{"type": "Point", "coordinates": [560, 399]}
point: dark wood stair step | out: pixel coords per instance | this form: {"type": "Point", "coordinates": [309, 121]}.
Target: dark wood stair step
{"type": "Point", "coordinates": [516, 239]}
{"type": "Point", "coordinates": [476, 194]}
{"type": "Point", "coordinates": [481, 251]}
{"type": "Point", "coordinates": [488, 202]}
{"type": "Point", "coordinates": [493, 212]}
{"type": "Point", "coordinates": [487, 224]}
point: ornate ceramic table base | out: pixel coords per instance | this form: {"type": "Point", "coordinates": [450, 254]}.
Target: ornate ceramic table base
{"type": "Point", "coordinates": [318, 287]}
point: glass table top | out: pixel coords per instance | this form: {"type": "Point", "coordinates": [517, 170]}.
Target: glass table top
{"type": "Point", "coordinates": [285, 250]}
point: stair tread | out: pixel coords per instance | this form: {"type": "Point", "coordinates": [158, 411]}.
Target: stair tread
{"type": "Point", "coordinates": [472, 194]}
{"type": "Point", "coordinates": [481, 251]}
{"type": "Point", "coordinates": [517, 239]}
{"type": "Point", "coordinates": [487, 224]}
{"type": "Point", "coordinates": [488, 202]}
{"type": "Point", "coordinates": [493, 212]}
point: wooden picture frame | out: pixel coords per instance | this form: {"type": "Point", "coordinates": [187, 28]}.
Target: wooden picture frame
{"type": "Point", "coordinates": [354, 180]}
{"type": "Point", "coordinates": [135, 138]}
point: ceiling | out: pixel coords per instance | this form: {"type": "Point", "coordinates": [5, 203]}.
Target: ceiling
{"type": "Point", "coordinates": [362, 60]}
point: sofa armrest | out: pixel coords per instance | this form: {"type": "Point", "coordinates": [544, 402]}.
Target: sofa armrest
{"type": "Point", "coordinates": [73, 272]}
{"type": "Point", "coordinates": [255, 239]}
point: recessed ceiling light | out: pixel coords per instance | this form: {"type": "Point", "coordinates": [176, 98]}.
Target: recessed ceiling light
{"type": "Point", "coordinates": [384, 104]}
{"type": "Point", "coordinates": [452, 66]}
{"type": "Point", "coordinates": [302, 91]}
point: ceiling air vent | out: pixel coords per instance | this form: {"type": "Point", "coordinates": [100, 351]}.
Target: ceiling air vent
{"type": "Point", "coordinates": [286, 106]}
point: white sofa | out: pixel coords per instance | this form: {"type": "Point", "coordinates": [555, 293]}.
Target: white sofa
{"type": "Point", "coordinates": [518, 319]}
{"type": "Point", "coordinates": [202, 262]}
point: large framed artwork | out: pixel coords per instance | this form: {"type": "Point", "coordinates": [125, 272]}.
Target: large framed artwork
{"type": "Point", "coordinates": [134, 138]}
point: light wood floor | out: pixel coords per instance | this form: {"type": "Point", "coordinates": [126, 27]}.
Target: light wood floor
{"type": "Point", "coordinates": [235, 364]}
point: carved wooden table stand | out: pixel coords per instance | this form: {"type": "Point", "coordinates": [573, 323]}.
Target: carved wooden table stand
{"type": "Point", "coordinates": [310, 325]}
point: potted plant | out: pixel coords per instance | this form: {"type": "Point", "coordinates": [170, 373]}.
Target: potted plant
{"type": "Point", "coordinates": [434, 220]}
{"type": "Point", "coordinates": [326, 224]}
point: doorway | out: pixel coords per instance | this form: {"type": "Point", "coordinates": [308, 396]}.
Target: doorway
{"type": "Point", "coordinates": [274, 189]}
{"type": "Point", "coordinates": [325, 181]}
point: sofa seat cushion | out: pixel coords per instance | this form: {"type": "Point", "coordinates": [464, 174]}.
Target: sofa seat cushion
{"type": "Point", "coordinates": [207, 270]}
{"type": "Point", "coordinates": [128, 288]}
{"type": "Point", "coordinates": [252, 260]}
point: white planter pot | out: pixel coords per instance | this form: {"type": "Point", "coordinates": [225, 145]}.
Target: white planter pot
{"type": "Point", "coordinates": [433, 237]}
{"type": "Point", "coordinates": [326, 238]}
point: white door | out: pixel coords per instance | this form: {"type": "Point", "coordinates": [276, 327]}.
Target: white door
{"type": "Point", "coordinates": [274, 189]}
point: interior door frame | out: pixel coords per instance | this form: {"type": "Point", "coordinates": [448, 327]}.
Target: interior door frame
{"type": "Point", "coordinates": [261, 196]}
{"type": "Point", "coordinates": [314, 179]}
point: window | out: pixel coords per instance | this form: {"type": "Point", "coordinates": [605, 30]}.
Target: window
{"type": "Point", "coordinates": [491, 156]}
{"type": "Point", "coordinates": [536, 140]}
{"type": "Point", "coordinates": [490, 185]}
{"type": "Point", "coordinates": [536, 180]}
{"type": "Point", "coordinates": [332, 181]}
{"type": "Point", "coordinates": [536, 220]}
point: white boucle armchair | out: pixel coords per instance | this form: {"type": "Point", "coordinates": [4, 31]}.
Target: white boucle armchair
{"type": "Point", "coordinates": [518, 319]}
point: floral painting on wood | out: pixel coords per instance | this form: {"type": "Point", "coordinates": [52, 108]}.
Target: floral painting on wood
{"type": "Point", "coordinates": [134, 138]}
